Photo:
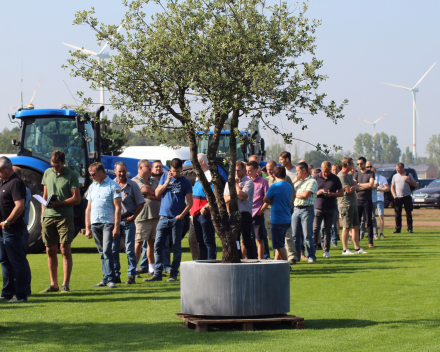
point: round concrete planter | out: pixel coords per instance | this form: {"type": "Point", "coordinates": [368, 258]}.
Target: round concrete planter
{"type": "Point", "coordinates": [253, 287]}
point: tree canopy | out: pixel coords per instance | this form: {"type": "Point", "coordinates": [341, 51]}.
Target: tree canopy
{"type": "Point", "coordinates": [380, 149]}
{"type": "Point", "coordinates": [198, 63]}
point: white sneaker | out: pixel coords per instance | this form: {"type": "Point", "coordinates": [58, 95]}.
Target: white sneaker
{"type": "Point", "coordinates": [311, 261]}
{"type": "Point", "coordinates": [360, 251]}
{"type": "Point", "coordinates": [326, 255]}
{"type": "Point", "coordinates": [347, 252]}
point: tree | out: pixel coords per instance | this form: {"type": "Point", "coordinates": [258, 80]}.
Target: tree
{"type": "Point", "coordinates": [315, 158]}
{"type": "Point", "coordinates": [198, 63]}
{"type": "Point", "coordinates": [433, 150]}
{"type": "Point", "coordinates": [6, 137]}
{"type": "Point", "coordinates": [276, 146]}
{"type": "Point", "coordinates": [380, 149]}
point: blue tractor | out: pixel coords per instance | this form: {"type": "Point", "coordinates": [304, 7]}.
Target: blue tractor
{"type": "Point", "coordinates": [45, 130]}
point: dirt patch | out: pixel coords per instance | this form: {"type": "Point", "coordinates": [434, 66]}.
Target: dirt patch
{"type": "Point", "coordinates": [427, 218]}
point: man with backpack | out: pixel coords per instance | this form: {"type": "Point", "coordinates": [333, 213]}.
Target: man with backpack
{"type": "Point", "coordinates": [401, 188]}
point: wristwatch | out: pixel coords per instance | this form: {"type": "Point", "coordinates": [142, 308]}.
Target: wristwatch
{"type": "Point", "coordinates": [7, 223]}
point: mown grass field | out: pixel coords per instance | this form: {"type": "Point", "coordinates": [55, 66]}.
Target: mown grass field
{"type": "Point", "coordinates": [386, 300]}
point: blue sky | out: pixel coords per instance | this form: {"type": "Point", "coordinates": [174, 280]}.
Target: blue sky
{"type": "Point", "coordinates": [362, 43]}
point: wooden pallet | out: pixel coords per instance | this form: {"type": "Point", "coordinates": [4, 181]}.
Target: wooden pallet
{"type": "Point", "coordinates": [202, 323]}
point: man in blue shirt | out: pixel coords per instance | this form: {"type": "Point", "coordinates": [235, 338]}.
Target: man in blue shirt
{"type": "Point", "coordinates": [174, 189]}
{"type": "Point", "coordinates": [280, 197]}
{"type": "Point", "coordinates": [103, 218]}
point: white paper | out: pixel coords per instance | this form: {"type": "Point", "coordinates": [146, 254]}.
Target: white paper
{"type": "Point", "coordinates": [40, 199]}
{"type": "Point", "coordinates": [238, 245]}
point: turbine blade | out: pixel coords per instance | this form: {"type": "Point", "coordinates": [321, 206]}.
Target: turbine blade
{"type": "Point", "coordinates": [393, 85]}
{"type": "Point", "coordinates": [381, 117]}
{"type": "Point", "coordinates": [107, 41]}
{"type": "Point", "coordinates": [424, 75]}
{"type": "Point", "coordinates": [81, 49]}
{"type": "Point", "coordinates": [364, 120]}
{"type": "Point", "coordinates": [32, 99]}
{"type": "Point", "coordinates": [14, 108]}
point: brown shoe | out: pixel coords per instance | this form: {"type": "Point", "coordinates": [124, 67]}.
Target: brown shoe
{"type": "Point", "coordinates": [371, 246]}
{"type": "Point", "coordinates": [303, 256]}
{"type": "Point", "coordinates": [50, 289]}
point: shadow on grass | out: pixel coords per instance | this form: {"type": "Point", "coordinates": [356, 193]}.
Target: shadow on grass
{"type": "Point", "coordinates": [324, 324]}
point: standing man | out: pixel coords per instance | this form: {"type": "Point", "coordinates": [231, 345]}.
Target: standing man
{"type": "Point", "coordinates": [27, 208]}
{"type": "Point", "coordinates": [157, 170]}
{"type": "Point", "coordinates": [132, 204]}
{"type": "Point", "coordinates": [401, 191]}
{"type": "Point", "coordinates": [381, 189]}
{"type": "Point", "coordinates": [335, 227]}
{"type": "Point", "coordinates": [348, 208]}
{"type": "Point", "coordinates": [365, 181]}
{"type": "Point", "coordinates": [280, 196]}
{"type": "Point", "coordinates": [374, 202]}
{"type": "Point", "coordinates": [58, 222]}
{"type": "Point", "coordinates": [12, 254]}
{"type": "Point", "coordinates": [285, 159]}
{"type": "Point", "coordinates": [289, 243]}
{"type": "Point", "coordinates": [174, 189]}
{"type": "Point", "coordinates": [261, 186]}
{"type": "Point", "coordinates": [305, 191]}
{"type": "Point", "coordinates": [245, 193]}
{"type": "Point", "coordinates": [146, 221]}
{"type": "Point", "coordinates": [201, 216]}
{"type": "Point", "coordinates": [103, 219]}
{"type": "Point", "coordinates": [329, 188]}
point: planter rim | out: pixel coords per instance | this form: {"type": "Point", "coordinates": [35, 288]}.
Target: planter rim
{"type": "Point", "coordinates": [243, 261]}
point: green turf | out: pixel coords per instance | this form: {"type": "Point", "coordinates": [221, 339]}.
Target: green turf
{"type": "Point", "coordinates": [385, 300]}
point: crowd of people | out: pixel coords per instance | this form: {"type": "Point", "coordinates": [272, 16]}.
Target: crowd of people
{"type": "Point", "coordinates": [297, 207]}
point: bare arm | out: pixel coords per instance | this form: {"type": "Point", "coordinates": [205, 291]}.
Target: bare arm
{"type": "Point", "coordinates": [267, 200]}
{"type": "Point", "coordinates": [161, 188]}
{"type": "Point", "coordinates": [45, 198]}
{"type": "Point", "coordinates": [385, 188]}
{"type": "Point", "coordinates": [303, 195]}
{"type": "Point", "coordinates": [132, 218]}
{"type": "Point", "coordinates": [337, 194]}
{"type": "Point", "coordinates": [263, 208]}
{"type": "Point", "coordinates": [240, 194]}
{"type": "Point", "coordinates": [15, 213]}
{"type": "Point", "coordinates": [69, 202]}
{"type": "Point", "coordinates": [365, 186]}
{"type": "Point", "coordinates": [88, 221]}
{"type": "Point", "coordinates": [412, 183]}
{"type": "Point", "coordinates": [393, 190]}
{"type": "Point", "coordinates": [117, 203]}
{"type": "Point", "coordinates": [189, 204]}
{"type": "Point", "coordinates": [149, 192]}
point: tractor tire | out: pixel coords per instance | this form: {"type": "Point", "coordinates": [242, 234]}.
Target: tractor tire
{"type": "Point", "coordinates": [32, 180]}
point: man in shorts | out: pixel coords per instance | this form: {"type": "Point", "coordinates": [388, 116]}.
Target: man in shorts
{"type": "Point", "coordinates": [57, 219]}
{"type": "Point", "coordinates": [347, 205]}
{"type": "Point", "coordinates": [146, 221]}
{"type": "Point", "coordinates": [381, 189]}
{"type": "Point", "coordinates": [280, 197]}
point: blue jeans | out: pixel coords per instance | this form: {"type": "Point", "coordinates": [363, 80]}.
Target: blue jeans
{"type": "Point", "coordinates": [165, 228]}
{"type": "Point", "coordinates": [166, 257]}
{"type": "Point", "coordinates": [205, 234]}
{"type": "Point", "coordinates": [14, 264]}
{"type": "Point", "coordinates": [129, 232]}
{"type": "Point", "coordinates": [302, 222]}
{"type": "Point", "coordinates": [25, 240]}
{"type": "Point", "coordinates": [104, 240]}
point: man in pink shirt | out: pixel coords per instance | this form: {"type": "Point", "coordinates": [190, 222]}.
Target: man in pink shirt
{"type": "Point", "coordinates": [260, 189]}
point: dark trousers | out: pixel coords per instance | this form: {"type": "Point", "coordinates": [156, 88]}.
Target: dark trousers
{"type": "Point", "coordinates": [14, 264]}
{"type": "Point", "coordinates": [248, 235]}
{"type": "Point", "coordinates": [407, 203]}
{"type": "Point", "coordinates": [25, 240]}
{"type": "Point", "coordinates": [326, 215]}
{"type": "Point", "coordinates": [205, 235]}
{"type": "Point", "coordinates": [365, 208]}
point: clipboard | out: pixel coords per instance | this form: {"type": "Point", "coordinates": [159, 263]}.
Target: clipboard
{"type": "Point", "coordinates": [53, 197]}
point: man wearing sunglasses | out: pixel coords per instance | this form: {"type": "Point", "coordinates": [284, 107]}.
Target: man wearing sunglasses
{"type": "Point", "coordinates": [57, 223]}
{"type": "Point", "coordinates": [365, 180]}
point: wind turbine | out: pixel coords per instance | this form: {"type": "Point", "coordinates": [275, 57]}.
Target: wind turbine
{"type": "Point", "coordinates": [101, 55]}
{"type": "Point", "coordinates": [374, 123]}
{"type": "Point", "coordinates": [413, 91]}
{"type": "Point", "coordinates": [30, 106]}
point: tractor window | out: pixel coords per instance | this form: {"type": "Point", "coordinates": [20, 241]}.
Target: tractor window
{"type": "Point", "coordinates": [223, 147]}
{"type": "Point", "coordinates": [45, 135]}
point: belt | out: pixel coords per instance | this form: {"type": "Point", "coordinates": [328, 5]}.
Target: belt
{"type": "Point", "coordinates": [167, 217]}
{"type": "Point", "coordinates": [126, 215]}
{"type": "Point", "coordinates": [303, 207]}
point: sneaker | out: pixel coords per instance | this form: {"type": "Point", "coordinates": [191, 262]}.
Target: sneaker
{"type": "Point", "coordinates": [292, 261]}
{"type": "Point", "coordinates": [154, 278]}
{"type": "Point", "coordinates": [376, 237]}
{"type": "Point", "coordinates": [410, 231]}
{"type": "Point", "coordinates": [130, 280]}
{"type": "Point", "coordinates": [360, 251]}
{"type": "Point", "coordinates": [311, 261]}
{"type": "Point", "coordinates": [101, 284]}
{"type": "Point", "coordinates": [326, 255]}
{"type": "Point", "coordinates": [150, 273]}
{"type": "Point", "coordinates": [111, 285]}
{"type": "Point", "coordinates": [396, 231]}
{"type": "Point", "coordinates": [334, 244]}
{"type": "Point", "coordinates": [172, 279]}
{"type": "Point", "coordinates": [50, 289]}
{"type": "Point", "coordinates": [382, 236]}
{"type": "Point", "coordinates": [65, 289]}
{"type": "Point", "coordinates": [347, 252]}
{"type": "Point", "coordinates": [16, 300]}
{"type": "Point", "coordinates": [118, 280]}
